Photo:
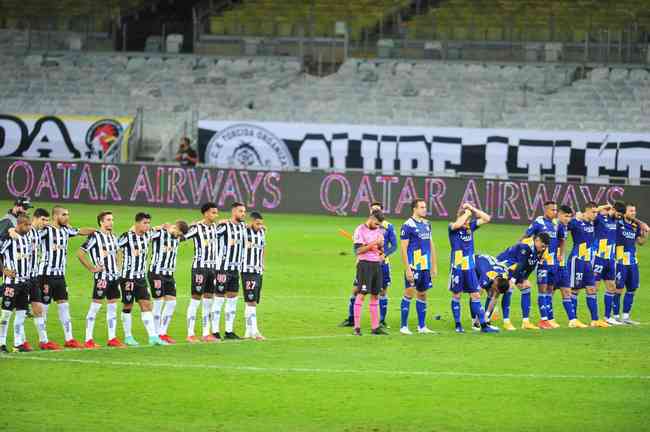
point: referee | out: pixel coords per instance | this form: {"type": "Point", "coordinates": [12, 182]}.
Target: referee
{"type": "Point", "coordinates": [369, 246]}
{"type": "Point", "coordinates": [21, 205]}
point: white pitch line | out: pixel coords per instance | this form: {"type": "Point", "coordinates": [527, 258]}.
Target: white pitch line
{"type": "Point", "coordinates": [306, 370]}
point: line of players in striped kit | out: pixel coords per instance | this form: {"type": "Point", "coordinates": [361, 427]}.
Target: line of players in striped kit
{"type": "Point", "coordinates": [604, 237]}
{"type": "Point", "coordinates": [33, 258]}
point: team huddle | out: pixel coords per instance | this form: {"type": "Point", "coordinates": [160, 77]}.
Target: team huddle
{"type": "Point", "coordinates": [135, 267]}
{"type": "Point", "coordinates": [604, 249]}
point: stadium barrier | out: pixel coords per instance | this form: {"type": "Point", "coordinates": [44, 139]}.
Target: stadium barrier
{"type": "Point", "coordinates": [496, 153]}
{"type": "Point", "coordinates": [318, 192]}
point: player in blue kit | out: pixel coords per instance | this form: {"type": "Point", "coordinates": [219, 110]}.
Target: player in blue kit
{"type": "Point", "coordinates": [630, 233]}
{"type": "Point", "coordinates": [579, 263]}
{"type": "Point", "coordinates": [604, 260]}
{"type": "Point", "coordinates": [521, 260]}
{"type": "Point", "coordinates": [390, 246]}
{"type": "Point", "coordinates": [548, 268]}
{"type": "Point", "coordinates": [420, 264]}
{"type": "Point", "coordinates": [462, 273]}
{"type": "Point", "coordinates": [493, 277]}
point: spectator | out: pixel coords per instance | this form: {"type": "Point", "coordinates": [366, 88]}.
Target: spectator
{"type": "Point", "coordinates": [186, 155]}
{"type": "Point", "coordinates": [21, 205]}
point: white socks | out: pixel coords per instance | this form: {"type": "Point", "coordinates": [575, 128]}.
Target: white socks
{"type": "Point", "coordinates": [5, 316]}
{"type": "Point", "coordinates": [250, 314]}
{"type": "Point", "coordinates": [66, 322]}
{"type": "Point", "coordinates": [217, 305]}
{"type": "Point", "coordinates": [111, 319]}
{"type": "Point", "coordinates": [39, 322]}
{"type": "Point", "coordinates": [207, 304]}
{"type": "Point", "coordinates": [167, 313]}
{"type": "Point", "coordinates": [90, 319]}
{"type": "Point", "coordinates": [147, 320]}
{"type": "Point", "coordinates": [157, 313]}
{"type": "Point", "coordinates": [126, 324]}
{"type": "Point", "coordinates": [191, 315]}
{"type": "Point", "coordinates": [231, 310]}
{"type": "Point", "coordinates": [19, 327]}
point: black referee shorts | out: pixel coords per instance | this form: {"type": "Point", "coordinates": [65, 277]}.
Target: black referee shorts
{"type": "Point", "coordinates": [370, 277]}
{"type": "Point", "coordinates": [203, 281]}
{"type": "Point", "coordinates": [15, 296]}
{"type": "Point", "coordinates": [161, 285]}
{"type": "Point", "coordinates": [227, 281]}
{"type": "Point", "coordinates": [252, 285]}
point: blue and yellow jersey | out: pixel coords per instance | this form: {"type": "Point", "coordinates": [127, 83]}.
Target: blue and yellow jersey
{"type": "Point", "coordinates": [605, 229]}
{"type": "Point", "coordinates": [520, 260]}
{"type": "Point", "coordinates": [462, 246]}
{"type": "Point", "coordinates": [488, 269]}
{"type": "Point", "coordinates": [418, 233]}
{"type": "Point", "coordinates": [555, 230]}
{"type": "Point", "coordinates": [626, 236]}
{"type": "Point", "coordinates": [582, 233]}
{"type": "Point", "coordinates": [390, 239]}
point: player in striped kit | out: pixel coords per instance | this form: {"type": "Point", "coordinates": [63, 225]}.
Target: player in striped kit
{"type": "Point", "coordinates": [16, 253]}
{"type": "Point", "coordinates": [252, 271]}
{"type": "Point", "coordinates": [54, 254]}
{"type": "Point", "coordinates": [231, 238]}
{"type": "Point", "coordinates": [164, 246]}
{"type": "Point", "coordinates": [98, 254]}
{"type": "Point", "coordinates": [133, 246]}
{"type": "Point", "coordinates": [204, 236]}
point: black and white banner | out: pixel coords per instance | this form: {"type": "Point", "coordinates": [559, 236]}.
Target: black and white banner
{"type": "Point", "coordinates": [492, 153]}
{"type": "Point", "coordinates": [91, 138]}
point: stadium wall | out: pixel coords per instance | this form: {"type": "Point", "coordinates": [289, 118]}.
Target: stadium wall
{"type": "Point", "coordinates": [319, 192]}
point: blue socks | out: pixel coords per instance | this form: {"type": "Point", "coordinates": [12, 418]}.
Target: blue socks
{"type": "Point", "coordinates": [628, 300]}
{"type": "Point", "coordinates": [609, 299]}
{"type": "Point", "coordinates": [477, 309]}
{"type": "Point", "coordinates": [421, 308]}
{"type": "Point", "coordinates": [568, 307]}
{"type": "Point", "coordinates": [505, 304]}
{"type": "Point", "coordinates": [525, 303]}
{"type": "Point", "coordinates": [616, 304]}
{"type": "Point", "coordinates": [549, 306]}
{"type": "Point", "coordinates": [455, 310]}
{"type": "Point", "coordinates": [406, 305]}
{"type": "Point", "coordinates": [351, 308]}
{"type": "Point", "coordinates": [592, 304]}
{"type": "Point", "coordinates": [574, 300]}
{"type": "Point", "coordinates": [383, 308]}
{"type": "Point", "coordinates": [541, 304]}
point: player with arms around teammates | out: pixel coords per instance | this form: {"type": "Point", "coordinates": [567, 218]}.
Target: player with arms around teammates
{"type": "Point", "coordinates": [420, 264]}
{"type": "Point", "coordinates": [252, 272]}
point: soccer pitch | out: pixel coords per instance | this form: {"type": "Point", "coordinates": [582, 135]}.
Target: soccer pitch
{"type": "Point", "coordinates": [311, 375]}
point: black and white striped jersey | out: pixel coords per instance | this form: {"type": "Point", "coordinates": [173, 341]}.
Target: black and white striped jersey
{"type": "Point", "coordinates": [164, 250]}
{"type": "Point", "coordinates": [101, 247]}
{"type": "Point", "coordinates": [134, 250]}
{"type": "Point", "coordinates": [17, 256]}
{"type": "Point", "coordinates": [54, 249]}
{"type": "Point", "coordinates": [35, 239]}
{"type": "Point", "coordinates": [205, 245]}
{"type": "Point", "coordinates": [253, 260]}
{"type": "Point", "coordinates": [231, 245]}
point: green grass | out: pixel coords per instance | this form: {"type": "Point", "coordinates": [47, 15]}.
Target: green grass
{"type": "Point", "coordinates": [310, 375]}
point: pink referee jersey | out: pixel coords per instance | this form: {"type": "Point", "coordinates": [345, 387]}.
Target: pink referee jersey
{"type": "Point", "coordinates": [364, 235]}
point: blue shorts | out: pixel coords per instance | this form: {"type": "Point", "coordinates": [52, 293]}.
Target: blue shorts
{"type": "Point", "coordinates": [604, 269]}
{"type": "Point", "coordinates": [463, 281]}
{"type": "Point", "coordinates": [385, 269]}
{"type": "Point", "coordinates": [563, 277]}
{"type": "Point", "coordinates": [627, 276]}
{"type": "Point", "coordinates": [421, 282]}
{"type": "Point", "coordinates": [548, 274]}
{"type": "Point", "coordinates": [581, 273]}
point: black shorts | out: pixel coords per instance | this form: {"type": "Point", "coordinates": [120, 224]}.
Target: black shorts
{"type": "Point", "coordinates": [54, 288]}
{"type": "Point", "coordinates": [15, 296]}
{"type": "Point", "coordinates": [370, 278]}
{"type": "Point", "coordinates": [161, 285]}
{"type": "Point", "coordinates": [106, 289]}
{"type": "Point", "coordinates": [203, 281]}
{"type": "Point", "coordinates": [251, 283]}
{"type": "Point", "coordinates": [227, 281]}
{"type": "Point", "coordinates": [35, 294]}
{"type": "Point", "coordinates": [133, 290]}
